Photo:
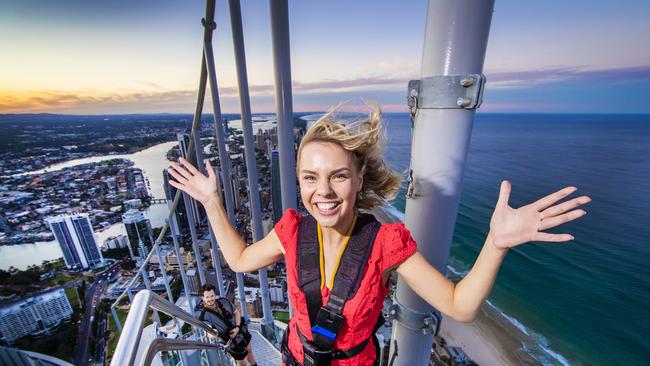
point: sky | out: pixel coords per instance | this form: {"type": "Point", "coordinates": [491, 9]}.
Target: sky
{"type": "Point", "coordinates": [121, 56]}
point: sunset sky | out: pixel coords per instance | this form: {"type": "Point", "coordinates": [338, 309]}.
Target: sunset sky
{"type": "Point", "coordinates": [93, 57]}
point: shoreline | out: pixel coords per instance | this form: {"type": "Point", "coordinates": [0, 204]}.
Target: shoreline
{"type": "Point", "coordinates": [490, 339]}
{"type": "Point", "coordinates": [487, 341]}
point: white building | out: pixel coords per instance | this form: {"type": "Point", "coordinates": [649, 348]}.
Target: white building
{"type": "Point", "coordinates": [34, 315]}
{"type": "Point", "coordinates": [76, 237]}
{"type": "Point", "coordinates": [116, 242]}
{"type": "Point", "coordinates": [276, 293]}
{"type": "Point", "coordinates": [194, 282]}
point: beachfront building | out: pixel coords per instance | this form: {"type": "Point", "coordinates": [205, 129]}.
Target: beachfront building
{"type": "Point", "coordinates": [76, 237]}
{"type": "Point", "coordinates": [138, 229]}
{"type": "Point", "coordinates": [34, 315]}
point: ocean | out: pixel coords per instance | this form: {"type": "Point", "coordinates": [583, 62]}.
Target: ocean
{"type": "Point", "coordinates": [585, 302]}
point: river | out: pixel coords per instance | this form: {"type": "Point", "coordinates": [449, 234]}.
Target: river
{"type": "Point", "coordinates": [152, 161]}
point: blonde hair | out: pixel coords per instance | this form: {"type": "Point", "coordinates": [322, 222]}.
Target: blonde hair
{"type": "Point", "coordinates": [365, 139]}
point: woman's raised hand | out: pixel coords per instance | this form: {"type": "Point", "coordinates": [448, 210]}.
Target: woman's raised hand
{"type": "Point", "coordinates": [510, 227]}
{"type": "Point", "coordinates": [191, 181]}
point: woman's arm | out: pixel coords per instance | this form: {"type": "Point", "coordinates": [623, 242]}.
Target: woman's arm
{"type": "Point", "coordinates": [240, 257]}
{"type": "Point", "coordinates": [462, 301]}
{"type": "Point", "coordinates": [508, 228]}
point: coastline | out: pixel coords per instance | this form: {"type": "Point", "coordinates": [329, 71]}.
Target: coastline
{"type": "Point", "coordinates": [487, 341]}
{"type": "Point", "coordinates": [490, 339]}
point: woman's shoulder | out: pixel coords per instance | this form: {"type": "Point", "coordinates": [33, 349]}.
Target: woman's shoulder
{"type": "Point", "coordinates": [396, 243]}
{"type": "Point", "coordinates": [394, 231]}
{"type": "Point", "coordinates": [289, 220]}
{"type": "Point", "coordinates": [287, 227]}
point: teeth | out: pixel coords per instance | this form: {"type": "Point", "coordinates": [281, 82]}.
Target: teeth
{"type": "Point", "coordinates": [326, 206]}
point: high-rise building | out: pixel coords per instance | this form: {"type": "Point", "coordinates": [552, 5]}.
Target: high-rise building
{"type": "Point", "coordinates": [76, 238]}
{"type": "Point", "coordinates": [138, 229]}
{"type": "Point", "coordinates": [276, 188]}
{"type": "Point", "coordinates": [183, 144]}
{"type": "Point", "coordinates": [181, 213]}
{"type": "Point", "coordinates": [34, 315]}
{"type": "Point", "coordinates": [235, 192]}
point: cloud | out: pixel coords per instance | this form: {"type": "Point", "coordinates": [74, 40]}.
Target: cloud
{"type": "Point", "coordinates": [325, 91]}
{"type": "Point", "coordinates": [510, 79]}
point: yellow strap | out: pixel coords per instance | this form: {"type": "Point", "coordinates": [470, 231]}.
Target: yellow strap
{"type": "Point", "coordinates": [338, 260]}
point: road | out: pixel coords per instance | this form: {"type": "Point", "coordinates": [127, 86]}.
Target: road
{"type": "Point", "coordinates": [93, 293]}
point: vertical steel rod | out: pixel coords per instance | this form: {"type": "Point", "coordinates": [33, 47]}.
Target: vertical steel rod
{"type": "Point", "coordinates": [283, 101]}
{"type": "Point", "coordinates": [223, 158]}
{"type": "Point", "coordinates": [249, 151]}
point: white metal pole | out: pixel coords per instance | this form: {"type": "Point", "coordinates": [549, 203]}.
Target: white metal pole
{"type": "Point", "coordinates": [455, 42]}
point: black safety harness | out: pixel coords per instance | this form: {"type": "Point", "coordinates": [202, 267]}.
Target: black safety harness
{"type": "Point", "coordinates": [327, 321]}
{"type": "Point", "coordinates": [222, 320]}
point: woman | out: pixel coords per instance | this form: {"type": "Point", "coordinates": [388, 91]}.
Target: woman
{"type": "Point", "coordinates": [341, 170]}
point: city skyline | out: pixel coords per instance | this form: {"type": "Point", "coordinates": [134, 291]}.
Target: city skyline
{"type": "Point", "coordinates": [119, 57]}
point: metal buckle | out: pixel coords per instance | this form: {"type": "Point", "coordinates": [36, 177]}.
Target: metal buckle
{"type": "Point", "coordinates": [314, 356]}
{"type": "Point", "coordinates": [328, 323]}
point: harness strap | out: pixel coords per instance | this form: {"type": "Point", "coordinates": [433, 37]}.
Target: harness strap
{"type": "Point", "coordinates": [327, 321]}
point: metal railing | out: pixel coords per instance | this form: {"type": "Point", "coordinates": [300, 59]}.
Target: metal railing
{"type": "Point", "coordinates": [145, 300]}
{"type": "Point", "coordinates": [131, 337]}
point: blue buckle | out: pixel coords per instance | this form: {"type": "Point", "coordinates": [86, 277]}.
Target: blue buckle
{"type": "Point", "coordinates": [324, 332]}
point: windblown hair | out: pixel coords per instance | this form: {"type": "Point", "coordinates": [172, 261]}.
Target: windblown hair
{"type": "Point", "coordinates": [365, 139]}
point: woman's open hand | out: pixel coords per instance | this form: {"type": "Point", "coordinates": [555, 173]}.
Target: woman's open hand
{"type": "Point", "coordinates": [510, 227]}
{"type": "Point", "coordinates": [191, 181]}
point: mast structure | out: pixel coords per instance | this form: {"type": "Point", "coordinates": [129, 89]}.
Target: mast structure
{"type": "Point", "coordinates": [443, 104]}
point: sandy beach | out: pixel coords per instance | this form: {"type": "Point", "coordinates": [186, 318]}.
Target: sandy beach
{"type": "Point", "coordinates": [487, 340]}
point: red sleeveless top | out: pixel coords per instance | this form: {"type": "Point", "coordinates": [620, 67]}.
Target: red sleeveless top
{"type": "Point", "coordinates": [392, 246]}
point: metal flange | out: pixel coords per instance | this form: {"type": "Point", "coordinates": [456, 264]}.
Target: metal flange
{"type": "Point", "coordinates": [427, 323]}
{"type": "Point", "coordinates": [446, 92]}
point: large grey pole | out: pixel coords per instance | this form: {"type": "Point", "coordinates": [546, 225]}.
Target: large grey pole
{"type": "Point", "coordinates": [454, 44]}
{"type": "Point", "coordinates": [249, 154]}
{"type": "Point", "coordinates": [224, 158]}
{"type": "Point", "coordinates": [283, 101]}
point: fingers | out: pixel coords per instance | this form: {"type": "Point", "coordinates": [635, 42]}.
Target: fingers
{"type": "Point", "coordinates": [209, 169]}
{"type": "Point", "coordinates": [179, 169]}
{"type": "Point", "coordinates": [504, 193]}
{"type": "Point", "coordinates": [176, 185]}
{"type": "Point", "coordinates": [557, 238]}
{"type": "Point", "coordinates": [189, 166]}
{"type": "Point", "coordinates": [547, 201]}
{"type": "Point", "coordinates": [565, 206]}
{"type": "Point", "coordinates": [174, 173]}
{"type": "Point", "coordinates": [558, 220]}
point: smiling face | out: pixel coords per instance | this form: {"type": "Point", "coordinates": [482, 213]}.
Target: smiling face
{"type": "Point", "coordinates": [209, 298]}
{"type": "Point", "coordinates": [329, 182]}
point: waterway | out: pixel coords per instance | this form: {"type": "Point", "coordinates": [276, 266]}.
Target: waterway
{"type": "Point", "coordinates": [152, 161]}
